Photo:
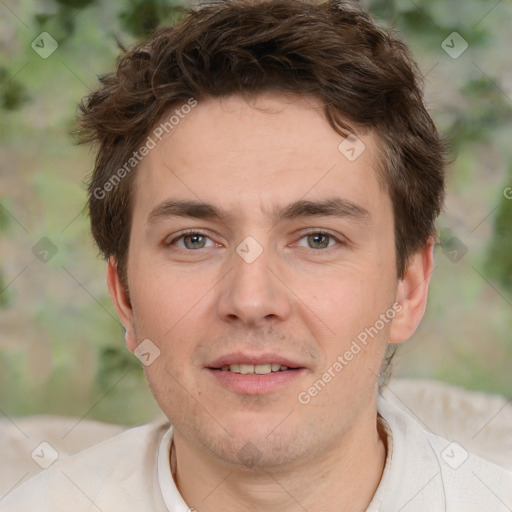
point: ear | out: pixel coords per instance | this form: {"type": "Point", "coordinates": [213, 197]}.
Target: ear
{"type": "Point", "coordinates": [121, 303]}
{"type": "Point", "coordinates": [412, 294]}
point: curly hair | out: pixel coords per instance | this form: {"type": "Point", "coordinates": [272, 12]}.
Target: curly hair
{"type": "Point", "coordinates": [334, 52]}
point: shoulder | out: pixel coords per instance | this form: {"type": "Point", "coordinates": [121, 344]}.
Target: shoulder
{"type": "Point", "coordinates": [429, 472]}
{"type": "Point", "coordinates": [116, 474]}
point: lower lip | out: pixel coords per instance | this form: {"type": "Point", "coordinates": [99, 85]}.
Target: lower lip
{"type": "Point", "coordinates": [256, 384]}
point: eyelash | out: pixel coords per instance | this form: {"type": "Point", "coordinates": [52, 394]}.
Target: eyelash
{"type": "Point", "coordinates": [305, 234]}
{"type": "Point", "coordinates": [184, 234]}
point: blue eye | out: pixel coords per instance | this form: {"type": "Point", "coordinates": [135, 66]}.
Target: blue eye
{"type": "Point", "coordinates": [191, 240]}
{"type": "Point", "coordinates": [319, 240]}
{"type": "Point", "coordinates": [195, 240]}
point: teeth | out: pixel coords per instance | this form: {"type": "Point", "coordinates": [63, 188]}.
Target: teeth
{"type": "Point", "coordinates": [246, 368]}
{"type": "Point", "coordinates": [258, 369]}
{"type": "Point", "coordinates": [262, 369]}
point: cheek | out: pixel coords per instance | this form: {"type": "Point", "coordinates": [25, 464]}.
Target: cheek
{"type": "Point", "coordinates": [349, 298]}
{"type": "Point", "coordinates": [163, 299]}
{"type": "Point", "coordinates": [345, 319]}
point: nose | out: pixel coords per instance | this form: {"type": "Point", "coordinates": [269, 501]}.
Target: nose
{"type": "Point", "coordinates": [253, 293]}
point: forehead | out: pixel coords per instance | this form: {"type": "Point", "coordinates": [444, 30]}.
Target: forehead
{"type": "Point", "coordinates": [256, 155]}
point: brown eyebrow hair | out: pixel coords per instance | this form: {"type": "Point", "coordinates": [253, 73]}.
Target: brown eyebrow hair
{"type": "Point", "coordinates": [335, 207]}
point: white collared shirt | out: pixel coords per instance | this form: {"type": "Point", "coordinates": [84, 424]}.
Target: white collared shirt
{"type": "Point", "coordinates": [131, 472]}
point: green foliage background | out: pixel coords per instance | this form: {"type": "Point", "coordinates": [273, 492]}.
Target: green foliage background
{"type": "Point", "coordinates": [61, 345]}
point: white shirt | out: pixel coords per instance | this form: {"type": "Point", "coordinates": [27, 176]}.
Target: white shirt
{"type": "Point", "coordinates": [131, 472]}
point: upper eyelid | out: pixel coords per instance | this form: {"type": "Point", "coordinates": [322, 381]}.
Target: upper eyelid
{"type": "Point", "coordinates": [184, 233]}
{"type": "Point", "coordinates": [313, 231]}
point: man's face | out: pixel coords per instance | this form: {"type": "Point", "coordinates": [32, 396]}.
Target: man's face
{"type": "Point", "coordinates": [261, 285]}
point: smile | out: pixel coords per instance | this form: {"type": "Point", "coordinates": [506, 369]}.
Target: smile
{"type": "Point", "coordinates": [252, 369]}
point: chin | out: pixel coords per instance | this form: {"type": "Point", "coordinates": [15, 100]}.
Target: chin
{"type": "Point", "coordinates": [253, 444]}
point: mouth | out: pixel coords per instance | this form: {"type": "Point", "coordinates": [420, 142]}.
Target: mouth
{"type": "Point", "coordinates": [255, 375]}
{"type": "Point", "coordinates": [255, 364]}
{"type": "Point", "coordinates": [254, 369]}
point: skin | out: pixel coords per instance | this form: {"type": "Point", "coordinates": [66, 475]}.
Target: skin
{"type": "Point", "coordinates": [298, 298]}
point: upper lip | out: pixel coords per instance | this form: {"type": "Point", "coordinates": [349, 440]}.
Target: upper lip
{"type": "Point", "coordinates": [254, 359]}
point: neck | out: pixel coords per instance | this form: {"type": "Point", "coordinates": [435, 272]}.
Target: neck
{"type": "Point", "coordinates": [340, 478]}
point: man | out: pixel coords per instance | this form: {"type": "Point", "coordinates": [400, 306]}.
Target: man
{"type": "Point", "coordinates": [265, 192]}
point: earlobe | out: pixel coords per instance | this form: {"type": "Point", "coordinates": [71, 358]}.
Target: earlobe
{"type": "Point", "coordinates": [121, 302]}
{"type": "Point", "coordinates": [412, 293]}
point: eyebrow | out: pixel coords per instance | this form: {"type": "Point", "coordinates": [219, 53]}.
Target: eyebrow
{"type": "Point", "coordinates": [333, 207]}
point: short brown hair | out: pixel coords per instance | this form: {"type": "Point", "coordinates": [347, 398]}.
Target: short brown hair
{"type": "Point", "coordinates": [332, 51]}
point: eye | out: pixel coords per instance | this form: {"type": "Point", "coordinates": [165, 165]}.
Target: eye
{"type": "Point", "coordinates": [319, 240]}
{"type": "Point", "coordinates": [192, 240]}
